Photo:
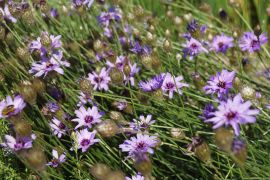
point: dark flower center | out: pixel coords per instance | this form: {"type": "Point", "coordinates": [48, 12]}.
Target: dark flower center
{"type": "Point", "coordinates": [220, 44]}
{"type": "Point", "coordinates": [231, 115]}
{"type": "Point", "coordinates": [54, 162]}
{"type": "Point", "coordinates": [194, 46]}
{"type": "Point", "coordinates": [88, 119]}
{"type": "Point", "coordinates": [254, 43]}
{"type": "Point", "coordinates": [85, 142]}
{"type": "Point", "coordinates": [8, 110]}
{"type": "Point", "coordinates": [62, 125]}
{"type": "Point", "coordinates": [98, 79]}
{"type": "Point", "coordinates": [221, 84]}
{"type": "Point", "coordinates": [49, 65]}
{"type": "Point", "coordinates": [170, 85]}
{"type": "Point", "coordinates": [141, 145]}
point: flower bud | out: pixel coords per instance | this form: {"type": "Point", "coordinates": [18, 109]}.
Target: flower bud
{"type": "Point", "coordinates": [158, 95]}
{"type": "Point", "coordinates": [224, 138]}
{"type": "Point", "coordinates": [143, 165]}
{"type": "Point", "coordinates": [177, 133]}
{"type": "Point", "coordinates": [117, 117]}
{"type": "Point", "coordinates": [107, 128]}
{"type": "Point", "coordinates": [136, 32]}
{"type": "Point", "coordinates": [28, 93]}
{"type": "Point", "coordinates": [147, 61]}
{"type": "Point", "coordinates": [237, 83]}
{"type": "Point", "coordinates": [38, 85]}
{"type": "Point", "coordinates": [86, 86]}
{"type": "Point", "coordinates": [33, 177]}
{"type": "Point", "coordinates": [23, 54]}
{"type": "Point", "coordinates": [36, 159]}
{"type": "Point", "coordinates": [150, 38]}
{"type": "Point", "coordinates": [1, 16]}
{"type": "Point", "coordinates": [170, 14]}
{"type": "Point", "coordinates": [188, 17]}
{"type": "Point", "coordinates": [152, 29]}
{"type": "Point", "coordinates": [45, 39]}
{"type": "Point", "coordinates": [177, 21]}
{"type": "Point", "coordinates": [98, 45]}
{"type": "Point", "coordinates": [127, 69]}
{"type": "Point", "coordinates": [167, 45]}
{"type": "Point", "coordinates": [27, 17]}
{"type": "Point", "coordinates": [202, 151]}
{"type": "Point", "coordinates": [2, 33]}
{"type": "Point", "coordinates": [115, 175]}
{"type": "Point", "coordinates": [248, 93]}
{"type": "Point", "coordinates": [138, 12]}
{"type": "Point", "coordinates": [239, 149]}
{"type": "Point", "coordinates": [117, 76]}
{"type": "Point", "coordinates": [129, 109]}
{"type": "Point", "coordinates": [100, 170]}
{"type": "Point", "coordinates": [10, 38]}
{"type": "Point", "coordinates": [198, 81]}
{"type": "Point", "coordinates": [23, 128]}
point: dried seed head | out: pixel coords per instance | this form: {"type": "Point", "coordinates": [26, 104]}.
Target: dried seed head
{"type": "Point", "coordinates": [86, 86]}
{"type": "Point", "coordinates": [23, 54]}
{"type": "Point", "coordinates": [127, 69]}
{"type": "Point", "coordinates": [100, 170]}
{"type": "Point", "coordinates": [33, 177]}
{"type": "Point", "coordinates": [188, 17]}
{"type": "Point", "coordinates": [152, 29]}
{"type": "Point", "coordinates": [205, 7]}
{"type": "Point", "coordinates": [177, 133]}
{"type": "Point", "coordinates": [115, 175]}
{"type": "Point", "coordinates": [138, 12]}
{"type": "Point", "coordinates": [170, 14]}
{"type": "Point", "coordinates": [36, 159]}
{"type": "Point", "coordinates": [28, 93]}
{"type": "Point", "coordinates": [178, 21]}
{"type": "Point", "coordinates": [23, 128]}
{"type": "Point", "coordinates": [45, 39]}
{"type": "Point", "coordinates": [107, 128]}
{"type": "Point", "coordinates": [27, 17]}
{"type": "Point", "coordinates": [224, 138]}
{"type": "Point", "coordinates": [248, 93]}
{"type": "Point", "coordinates": [150, 38]}
{"type": "Point", "coordinates": [117, 76]}
{"type": "Point", "coordinates": [167, 33]}
{"type": "Point", "coordinates": [10, 38]}
{"type": "Point", "coordinates": [38, 85]}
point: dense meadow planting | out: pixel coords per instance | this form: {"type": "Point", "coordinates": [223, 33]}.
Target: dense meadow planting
{"type": "Point", "coordinates": [134, 89]}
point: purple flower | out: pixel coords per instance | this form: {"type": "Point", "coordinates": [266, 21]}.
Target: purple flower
{"type": "Point", "coordinates": [172, 84]}
{"type": "Point", "coordinates": [105, 18]}
{"type": "Point", "coordinates": [85, 139]}
{"type": "Point", "coordinates": [100, 81]}
{"type": "Point", "coordinates": [141, 144]}
{"type": "Point", "coordinates": [133, 71]}
{"type": "Point", "coordinates": [7, 15]}
{"type": "Point", "coordinates": [58, 127]}
{"type": "Point", "coordinates": [18, 143]}
{"type": "Point", "coordinates": [78, 3]}
{"type": "Point", "coordinates": [87, 117]}
{"type": "Point", "coordinates": [136, 177]}
{"type": "Point", "coordinates": [232, 113]}
{"type": "Point", "coordinates": [42, 68]}
{"type": "Point", "coordinates": [238, 145]}
{"type": "Point", "coordinates": [121, 104]}
{"type": "Point", "coordinates": [221, 83]}
{"type": "Point", "coordinates": [250, 42]}
{"type": "Point", "coordinates": [143, 123]}
{"type": "Point", "coordinates": [222, 43]}
{"type": "Point", "coordinates": [153, 84]}
{"type": "Point", "coordinates": [84, 99]}
{"type": "Point", "coordinates": [193, 47]}
{"type": "Point", "coordinates": [208, 112]}
{"type": "Point", "coordinates": [140, 50]}
{"type": "Point", "coordinates": [52, 106]}
{"type": "Point", "coordinates": [57, 160]}
{"type": "Point", "coordinates": [9, 107]}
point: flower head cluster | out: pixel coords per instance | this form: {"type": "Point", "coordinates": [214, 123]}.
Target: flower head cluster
{"type": "Point", "coordinates": [252, 43]}
{"type": "Point", "coordinates": [122, 61]}
{"type": "Point", "coordinates": [139, 145]}
{"type": "Point", "coordinates": [172, 84]}
{"type": "Point", "coordinates": [85, 139]}
{"type": "Point", "coordinates": [87, 117]}
{"type": "Point", "coordinates": [143, 123]}
{"type": "Point", "coordinates": [153, 84]}
{"type": "Point", "coordinates": [58, 128]}
{"type": "Point", "coordinates": [51, 57]}
{"type": "Point", "coordinates": [100, 80]}
{"type": "Point", "coordinates": [57, 159]}
{"type": "Point", "coordinates": [10, 107]}
{"type": "Point", "coordinates": [138, 49]}
{"type": "Point", "coordinates": [222, 43]}
{"type": "Point", "coordinates": [193, 47]}
{"type": "Point", "coordinates": [232, 113]}
{"type": "Point", "coordinates": [221, 83]}
{"type": "Point", "coordinates": [18, 143]}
